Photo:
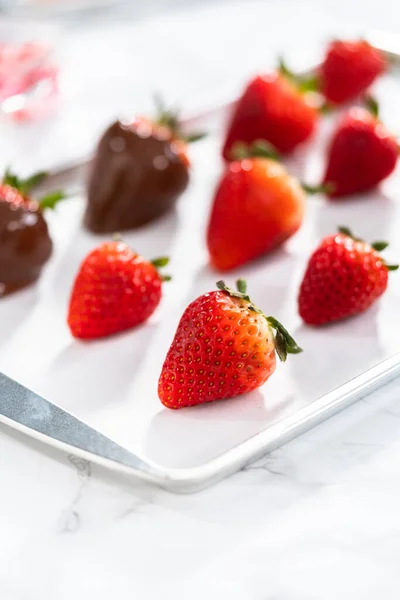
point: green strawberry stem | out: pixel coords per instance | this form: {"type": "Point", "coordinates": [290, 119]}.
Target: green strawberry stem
{"type": "Point", "coordinates": [170, 118]}
{"type": "Point", "coordinates": [323, 188]}
{"type": "Point", "coordinates": [257, 149]}
{"type": "Point", "coordinates": [193, 137]}
{"type": "Point", "coordinates": [372, 105]}
{"type": "Point", "coordinates": [284, 342]}
{"type": "Point", "coordinates": [304, 83]}
{"type": "Point", "coordinates": [309, 82]}
{"type": "Point", "coordinates": [378, 246]}
{"type": "Point", "coordinates": [51, 200]}
{"type": "Point", "coordinates": [159, 263]}
{"type": "Point", "coordinates": [325, 108]}
{"type": "Point", "coordinates": [24, 186]}
{"type": "Point", "coordinates": [346, 231]}
{"type": "Point", "coordinates": [284, 69]}
{"type": "Point", "coordinates": [241, 285]}
{"type": "Point", "coordinates": [162, 261]}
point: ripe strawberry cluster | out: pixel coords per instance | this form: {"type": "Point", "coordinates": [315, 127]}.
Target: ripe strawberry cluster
{"type": "Point", "coordinates": [224, 344]}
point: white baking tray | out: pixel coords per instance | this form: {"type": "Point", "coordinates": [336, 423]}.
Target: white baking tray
{"type": "Point", "coordinates": [111, 384]}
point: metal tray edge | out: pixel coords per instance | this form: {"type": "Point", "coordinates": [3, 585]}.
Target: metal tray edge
{"type": "Point", "coordinates": [189, 480]}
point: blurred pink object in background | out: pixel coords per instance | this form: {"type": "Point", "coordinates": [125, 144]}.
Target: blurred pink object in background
{"type": "Point", "coordinates": [28, 80]}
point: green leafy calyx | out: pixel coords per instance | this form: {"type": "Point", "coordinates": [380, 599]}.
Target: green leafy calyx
{"type": "Point", "coordinates": [25, 186]}
{"type": "Point", "coordinates": [377, 246]}
{"type": "Point", "coordinates": [323, 188]}
{"type": "Point", "coordinates": [304, 83]}
{"type": "Point", "coordinates": [284, 342]}
{"type": "Point", "coordinates": [170, 118]}
{"type": "Point", "coordinates": [371, 104]}
{"type": "Point", "coordinates": [159, 263]}
{"type": "Point", "coordinates": [51, 200]}
{"type": "Point", "coordinates": [257, 149]}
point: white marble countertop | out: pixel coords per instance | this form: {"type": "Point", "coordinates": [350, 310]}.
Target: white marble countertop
{"type": "Point", "coordinates": [316, 520]}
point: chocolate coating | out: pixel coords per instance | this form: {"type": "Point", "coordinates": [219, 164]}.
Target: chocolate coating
{"type": "Point", "coordinates": [137, 176]}
{"type": "Point", "coordinates": [25, 245]}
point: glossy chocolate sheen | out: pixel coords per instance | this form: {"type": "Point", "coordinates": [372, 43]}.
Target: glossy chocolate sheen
{"type": "Point", "coordinates": [25, 245]}
{"type": "Point", "coordinates": [136, 177]}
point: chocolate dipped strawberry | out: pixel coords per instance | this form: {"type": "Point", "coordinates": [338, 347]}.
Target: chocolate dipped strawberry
{"type": "Point", "coordinates": [25, 244]}
{"type": "Point", "coordinates": [140, 169]}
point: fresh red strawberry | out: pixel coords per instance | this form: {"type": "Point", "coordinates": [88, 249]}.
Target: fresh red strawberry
{"type": "Point", "coordinates": [348, 69]}
{"type": "Point", "coordinates": [344, 276]}
{"type": "Point", "coordinates": [115, 289]}
{"type": "Point", "coordinates": [224, 346]}
{"type": "Point", "coordinates": [273, 109]}
{"type": "Point", "coordinates": [362, 153]}
{"type": "Point", "coordinates": [25, 244]}
{"type": "Point", "coordinates": [257, 206]}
